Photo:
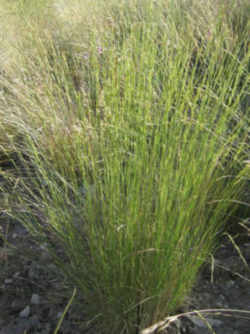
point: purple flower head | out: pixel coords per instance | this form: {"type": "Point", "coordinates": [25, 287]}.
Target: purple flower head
{"type": "Point", "coordinates": [100, 50]}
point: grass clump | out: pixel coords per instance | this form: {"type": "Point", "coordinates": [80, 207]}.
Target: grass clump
{"type": "Point", "coordinates": [136, 139]}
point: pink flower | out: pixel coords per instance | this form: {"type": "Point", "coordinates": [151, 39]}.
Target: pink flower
{"type": "Point", "coordinates": [100, 50]}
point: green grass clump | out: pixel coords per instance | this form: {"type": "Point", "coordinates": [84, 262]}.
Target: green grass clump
{"type": "Point", "coordinates": [135, 137]}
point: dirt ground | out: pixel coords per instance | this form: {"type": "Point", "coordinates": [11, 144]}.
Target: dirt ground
{"type": "Point", "coordinates": [33, 295]}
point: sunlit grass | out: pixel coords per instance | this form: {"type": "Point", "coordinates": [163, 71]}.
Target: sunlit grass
{"type": "Point", "coordinates": [133, 140]}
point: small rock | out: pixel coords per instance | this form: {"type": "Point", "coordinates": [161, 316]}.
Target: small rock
{"type": "Point", "coordinates": [35, 299]}
{"type": "Point", "coordinates": [44, 246]}
{"type": "Point", "coordinates": [198, 321]}
{"type": "Point", "coordinates": [59, 314]}
{"type": "Point", "coordinates": [25, 312]}
{"type": "Point", "coordinates": [8, 281]}
{"type": "Point", "coordinates": [204, 323]}
{"type": "Point", "coordinates": [215, 322]}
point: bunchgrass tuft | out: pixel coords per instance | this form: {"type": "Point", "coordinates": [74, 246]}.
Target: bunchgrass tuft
{"type": "Point", "coordinates": [134, 137]}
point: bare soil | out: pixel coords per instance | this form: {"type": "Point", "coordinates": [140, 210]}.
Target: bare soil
{"type": "Point", "coordinates": [33, 294]}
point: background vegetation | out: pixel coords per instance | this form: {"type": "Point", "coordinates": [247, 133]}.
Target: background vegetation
{"type": "Point", "coordinates": [124, 142]}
